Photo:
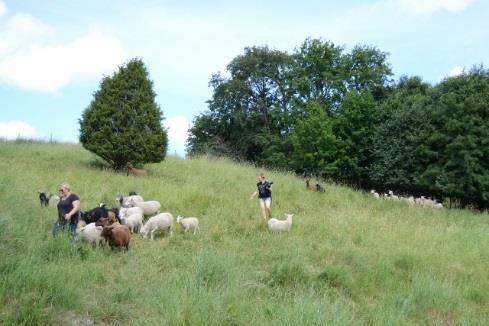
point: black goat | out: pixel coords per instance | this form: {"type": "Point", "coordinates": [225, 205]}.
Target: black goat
{"type": "Point", "coordinates": [43, 198]}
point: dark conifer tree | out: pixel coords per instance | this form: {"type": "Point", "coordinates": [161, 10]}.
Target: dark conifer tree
{"type": "Point", "coordinates": [123, 122]}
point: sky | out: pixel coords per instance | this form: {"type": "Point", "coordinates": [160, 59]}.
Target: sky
{"type": "Point", "coordinates": [53, 54]}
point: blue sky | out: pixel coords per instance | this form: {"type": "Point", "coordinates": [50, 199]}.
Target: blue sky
{"type": "Point", "coordinates": [53, 54]}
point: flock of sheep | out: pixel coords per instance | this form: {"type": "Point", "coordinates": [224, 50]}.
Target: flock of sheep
{"type": "Point", "coordinates": [116, 225]}
{"type": "Point", "coordinates": [425, 202]}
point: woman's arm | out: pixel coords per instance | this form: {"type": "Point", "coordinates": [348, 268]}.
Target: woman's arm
{"type": "Point", "coordinates": [254, 194]}
{"type": "Point", "coordinates": [76, 208]}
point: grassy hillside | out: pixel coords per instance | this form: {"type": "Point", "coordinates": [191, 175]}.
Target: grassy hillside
{"type": "Point", "coordinates": [348, 260]}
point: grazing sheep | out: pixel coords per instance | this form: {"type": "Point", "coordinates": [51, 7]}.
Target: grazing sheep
{"type": "Point", "coordinates": [150, 208]}
{"type": "Point", "coordinates": [117, 236]}
{"type": "Point", "coordinates": [134, 222]}
{"type": "Point", "coordinates": [90, 233]}
{"type": "Point", "coordinates": [53, 200]}
{"type": "Point", "coordinates": [374, 193]}
{"type": "Point", "coordinates": [409, 200]}
{"type": "Point", "coordinates": [131, 170]}
{"type": "Point", "coordinates": [392, 196]}
{"type": "Point", "coordinates": [43, 199]}
{"type": "Point", "coordinates": [126, 211]}
{"type": "Point", "coordinates": [124, 201]}
{"type": "Point", "coordinates": [278, 226]}
{"type": "Point", "coordinates": [189, 223]}
{"type": "Point", "coordinates": [161, 222]}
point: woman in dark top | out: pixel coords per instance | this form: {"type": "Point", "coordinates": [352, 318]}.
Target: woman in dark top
{"type": "Point", "coordinates": [68, 209]}
{"type": "Point", "coordinates": [264, 191]}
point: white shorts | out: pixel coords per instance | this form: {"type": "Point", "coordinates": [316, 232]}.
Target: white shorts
{"type": "Point", "coordinates": [267, 200]}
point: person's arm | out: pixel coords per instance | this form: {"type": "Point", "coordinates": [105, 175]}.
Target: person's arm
{"type": "Point", "coordinates": [76, 208]}
{"type": "Point", "coordinates": [254, 194]}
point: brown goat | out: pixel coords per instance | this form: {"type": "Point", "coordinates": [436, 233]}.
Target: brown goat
{"type": "Point", "coordinates": [308, 185]}
{"type": "Point", "coordinates": [134, 171]}
{"type": "Point", "coordinates": [316, 188]}
{"type": "Point", "coordinates": [117, 235]}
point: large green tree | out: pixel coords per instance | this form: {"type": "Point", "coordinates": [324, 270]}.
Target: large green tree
{"type": "Point", "coordinates": [123, 123]}
{"type": "Point", "coordinates": [459, 144]}
{"type": "Point", "coordinates": [400, 153]}
{"type": "Point", "coordinates": [248, 112]}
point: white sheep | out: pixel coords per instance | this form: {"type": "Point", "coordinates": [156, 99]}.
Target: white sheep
{"type": "Point", "coordinates": [126, 211]}
{"type": "Point", "coordinates": [90, 233]}
{"type": "Point", "coordinates": [278, 226]}
{"type": "Point", "coordinates": [392, 196]}
{"type": "Point", "coordinates": [409, 200]}
{"type": "Point", "coordinates": [374, 193]}
{"type": "Point", "coordinates": [189, 223]}
{"type": "Point", "coordinates": [160, 222]}
{"type": "Point", "coordinates": [124, 201]}
{"type": "Point", "coordinates": [53, 200]}
{"type": "Point", "coordinates": [150, 208]}
{"type": "Point", "coordinates": [133, 221]}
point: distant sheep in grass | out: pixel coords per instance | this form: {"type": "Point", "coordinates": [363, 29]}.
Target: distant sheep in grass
{"type": "Point", "coordinates": [189, 223]}
{"type": "Point", "coordinates": [374, 193]}
{"type": "Point", "coordinates": [160, 222]}
{"type": "Point", "coordinates": [279, 226]}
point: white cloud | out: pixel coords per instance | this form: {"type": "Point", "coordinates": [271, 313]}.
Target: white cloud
{"type": "Point", "coordinates": [16, 129]}
{"type": "Point", "coordinates": [456, 71]}
{"type": "Point", "coordinates": [430, 6]}
{"type": "Point", "coordinates": [177, 134]}
{"type": "Point", "coordinates": [29, 61]}
{"type": "Point", "coordinates": [3, 8]}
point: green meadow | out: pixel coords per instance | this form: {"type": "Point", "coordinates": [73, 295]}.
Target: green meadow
{"type": "Point", "coordinates": [349, 259]}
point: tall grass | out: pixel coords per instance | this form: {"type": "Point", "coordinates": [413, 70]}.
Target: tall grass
{"type": "Point", "coordinates": [349, 259]}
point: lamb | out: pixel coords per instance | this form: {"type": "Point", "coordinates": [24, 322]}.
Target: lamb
{"type": "Point", "coordinates": [134, 222]}
{"type": "Point", "coordinates": [90, 233]}
{"type": "Point", "coordinates": [279, 226]}
{"type": "Point", "coordinates": [150, 208]}
{"type": "Point", "coordinates": [189, 223]}
{"type": "Point", "coordinates": [131, 170]}
{"type": "Point", "coordinates": [117, 236]}
{"type": "Point", "coordinates": [161, 221]}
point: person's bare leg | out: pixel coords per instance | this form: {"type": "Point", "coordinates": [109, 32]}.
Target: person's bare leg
{"type": "Point", "coordinates": [263, 209]}
{"type": "Point", "coordinates": [269, 209]}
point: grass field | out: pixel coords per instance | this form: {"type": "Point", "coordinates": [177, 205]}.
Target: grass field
{"type": "Point", "coordinates": [349, 259]}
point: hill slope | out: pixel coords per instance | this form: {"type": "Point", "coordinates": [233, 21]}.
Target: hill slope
{"type": "Point", "coordinates": [349, 259]}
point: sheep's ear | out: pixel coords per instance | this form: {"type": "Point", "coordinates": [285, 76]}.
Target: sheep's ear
{"type": "Point", "coordinates": [100, 228]}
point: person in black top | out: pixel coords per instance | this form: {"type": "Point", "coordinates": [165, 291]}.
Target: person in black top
{"type": "Point", "coordinates": [264, 191]}
{"type": "Point", "coordinates": [68, 210]}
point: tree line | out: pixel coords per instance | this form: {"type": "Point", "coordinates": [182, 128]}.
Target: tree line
{"type": "Point", "coordinates": [326, 112]}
